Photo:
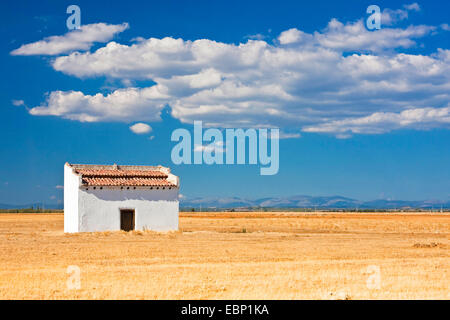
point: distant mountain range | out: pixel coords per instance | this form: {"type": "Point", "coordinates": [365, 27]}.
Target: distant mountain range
{"type": "Point", "coordinates": [301, 201]}
{"type": "Point", "coordinates": [32, 205]}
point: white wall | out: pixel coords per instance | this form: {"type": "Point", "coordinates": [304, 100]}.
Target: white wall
{"type": "Point", "coordinates": [99, 210]}
{"type": "Point", "coordinates": [71, 183]}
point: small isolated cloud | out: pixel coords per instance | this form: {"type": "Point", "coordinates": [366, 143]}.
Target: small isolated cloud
{"type": "Point", "coordinates": [343, 135]}
{"type": "Point", "coordinates": [18, 103]}
{"type": "Point", "coordinates": [217, 147]}
{"type": "Point", "coordinates": [151, 137]}
{"type": "Point", "coordinates": [137, 39]}
{"type": "Point", "coordinates": [52, 197]}
{"type": "Point", "coordinates": [390, 17]}
{"type": "Point", "coordinates": [127, 82]}
{"type": "Point", "coordinates": [80, 39]}
{"type": "Point", "coordinates": [413, 6]}
{"type": "Point", "coordinates": [141, 128]}
{"type": "Point", "coordinates": [281, 135]}
{"type": "Point", "coordinates": [59, 187]}
{"type": "Point", "coordinates": [258, 36]}
{"type": "Point", "coordinates": [445, 27]}
{"type": "Point", "coordinates": [286, 135]}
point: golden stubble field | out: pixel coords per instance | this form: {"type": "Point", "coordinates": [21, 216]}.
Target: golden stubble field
{"type": "Point", "coordinates": [262, 255]}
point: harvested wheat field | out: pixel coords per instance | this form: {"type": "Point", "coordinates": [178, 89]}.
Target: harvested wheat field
{"type": "Point", "coordinates": [232, 256]}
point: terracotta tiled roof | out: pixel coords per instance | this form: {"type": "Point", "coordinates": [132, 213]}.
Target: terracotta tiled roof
{"type": "Point", "coordinates": [103, 175]}
{"type": "Point", "coordinates": [126, 181]}
{"type": "Point", "coordinates": [121, 173]}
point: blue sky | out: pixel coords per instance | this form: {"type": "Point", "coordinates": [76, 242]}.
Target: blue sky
{"type": "Point", "coordinates": [368, 111]}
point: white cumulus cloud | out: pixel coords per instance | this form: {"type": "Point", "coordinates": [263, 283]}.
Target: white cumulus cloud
{"type": "Point", "coordinates": [126, 105]}
{"type": "Point", "coordinates": [79, 39]}
{"type": "Point", "coordinates": [140, 128]}
{"type": "Point", "coordinates": [382, 122]}
{"type": "Point", "coordinates": [291, 36]}
{"type": "Point", "coordinates": [318, 82]}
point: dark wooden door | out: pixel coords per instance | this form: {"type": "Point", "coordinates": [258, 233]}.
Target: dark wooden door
{"type": "Point", "coordinates": [127, 220]}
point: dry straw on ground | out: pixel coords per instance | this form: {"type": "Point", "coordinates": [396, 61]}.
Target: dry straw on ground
{"type": "Point", "coordinates": [279, 256]}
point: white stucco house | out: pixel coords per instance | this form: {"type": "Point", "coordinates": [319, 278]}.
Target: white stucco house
{"type": "Point", "coordinates": [113, 197]}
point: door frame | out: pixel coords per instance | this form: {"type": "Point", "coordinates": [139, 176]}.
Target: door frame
{"type": "Point", "coordinates": [133, 210]}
